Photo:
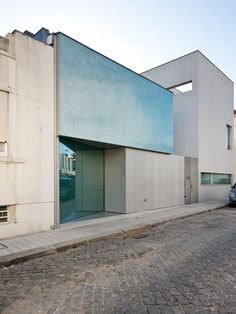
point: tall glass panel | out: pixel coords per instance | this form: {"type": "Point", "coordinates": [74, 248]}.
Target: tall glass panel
{"type": "Point", "coordinates": [81, 178]}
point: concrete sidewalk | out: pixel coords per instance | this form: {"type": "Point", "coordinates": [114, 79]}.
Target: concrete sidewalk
{"type": "Point", "coordinates": [72, 235]}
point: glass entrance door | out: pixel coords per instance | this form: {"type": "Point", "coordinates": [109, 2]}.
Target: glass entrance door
{"type": "Point", "coordinates": [81, 180]}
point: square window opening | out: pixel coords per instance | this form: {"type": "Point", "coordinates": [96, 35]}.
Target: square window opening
{"type": "Point", "coordinates": [181, 88]}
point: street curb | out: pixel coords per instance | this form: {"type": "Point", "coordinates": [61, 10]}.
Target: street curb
{"type": "Point", "coordinates": [130, 232]}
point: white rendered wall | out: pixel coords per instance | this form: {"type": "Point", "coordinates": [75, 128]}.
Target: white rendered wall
{"type": "Point", "coordinates": [200, 116]}
{"type": "Point", "coordinates": [153, 180]}
{"type": "Point", "coordinates": [216, 107]}
{"type": "Point", "coordinates": [27, 172]}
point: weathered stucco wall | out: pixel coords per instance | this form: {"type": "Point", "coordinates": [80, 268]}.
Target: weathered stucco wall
{"type": "Point", "coordinates": [27, 168]}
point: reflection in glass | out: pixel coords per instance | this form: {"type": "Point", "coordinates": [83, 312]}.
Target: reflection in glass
{"type": "Point", "coordinates": [219, 178]}
{"type": "Point", "coordinates": [81, 180]}
{"type": "Point", "coordinates": [215, 178]}
{"type": "Point", "coordinates": [205, 178]}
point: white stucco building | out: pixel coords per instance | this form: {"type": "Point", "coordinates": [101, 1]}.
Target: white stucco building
{"type": "Point", "coordinates": [27, 135]}
{"type": "Point", "coordinates": [81, 134]}
{"type": "Point", "coordinates": [203, 122]}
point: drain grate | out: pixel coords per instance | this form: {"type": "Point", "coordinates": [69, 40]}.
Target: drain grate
{"type": "Point", "coordinates": [2, 246]}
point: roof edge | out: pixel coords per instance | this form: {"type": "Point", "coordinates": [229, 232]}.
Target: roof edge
{"type": "Point", "coordinates": [187, 54]}
{"type": "Point", "coordinates": [57, 33]}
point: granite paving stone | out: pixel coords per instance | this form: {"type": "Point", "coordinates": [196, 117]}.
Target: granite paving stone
{"type": "Point", "coordinates": [182, 266]}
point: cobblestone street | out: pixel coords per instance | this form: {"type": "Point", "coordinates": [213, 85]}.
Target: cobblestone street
{"type": "Point", "coordinates": [184, 266]}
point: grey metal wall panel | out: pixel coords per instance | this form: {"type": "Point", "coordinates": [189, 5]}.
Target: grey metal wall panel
{"type": "Point", "coordinates": [115, 180]}
{"type": "Point", "coordinates": [153, 180]}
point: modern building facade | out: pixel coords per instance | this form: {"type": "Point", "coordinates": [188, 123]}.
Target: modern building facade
{"type": "Point", "coordinates": [203, 122]}
{"type": "Point", "coordinates": [81, 134]}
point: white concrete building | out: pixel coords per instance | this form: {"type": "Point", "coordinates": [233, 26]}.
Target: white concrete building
{"type": "Point", "coordinates": [81, 134]}
{"type": "Point", "coordinates": [203, 122]}
{"type": "Point", "coordinates": [234, 129]}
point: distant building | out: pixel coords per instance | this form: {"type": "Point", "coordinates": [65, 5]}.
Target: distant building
{"type": "Point", "coordinates": [82, 134]}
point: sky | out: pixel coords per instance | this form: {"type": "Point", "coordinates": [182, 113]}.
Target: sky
{"type": "Point", "coordinates": [140, 34]}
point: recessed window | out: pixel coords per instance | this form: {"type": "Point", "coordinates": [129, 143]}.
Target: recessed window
{"type": "Point", "coordinates": [2, 147]}
{"type": "Point", "coordinates": [3, 214]}
{"type": "Point", "coordinates": [215, 178]}
{"type": "Point", "coordinates": [181, 88]}
{"type": "Point", "coordinates": [228, 136]}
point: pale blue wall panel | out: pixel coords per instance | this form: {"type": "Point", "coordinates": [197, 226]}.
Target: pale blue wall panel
{"type": "Point", "coordinates": [103, 101]}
